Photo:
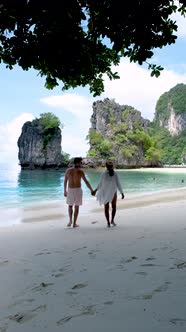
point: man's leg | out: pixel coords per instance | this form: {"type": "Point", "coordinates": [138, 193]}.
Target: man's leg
{"type": "Point", "coordinates": [76, 212]}
{"type": "Point", "coordinates": [114, 209]}
{"type": "Point", "coordinates": [106, 206]}
{"type": "Point", "coordinates": [70, 213]}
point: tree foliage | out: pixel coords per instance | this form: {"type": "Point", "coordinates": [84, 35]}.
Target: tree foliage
{"type": "Point", "coordinates": [49, 122]}
{"type": "Point", "coordinates": [100, 147]}
{"type": "Point", "coordinates": [66, 158]}
{"type": "Point", "coordinates": [77, 41]}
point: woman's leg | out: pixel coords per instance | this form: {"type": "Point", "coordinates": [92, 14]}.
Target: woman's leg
{"type": "Point", "coordinates": [114, 201]}
{"type": "Point", "coordinates": [106, 206]}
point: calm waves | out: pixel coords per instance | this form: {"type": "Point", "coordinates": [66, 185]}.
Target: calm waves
{"type": "Point", "coordinates": [20, 187]}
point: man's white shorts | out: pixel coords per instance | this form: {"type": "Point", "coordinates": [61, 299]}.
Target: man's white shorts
{"type": "Point", "coordinates": [74, 196]}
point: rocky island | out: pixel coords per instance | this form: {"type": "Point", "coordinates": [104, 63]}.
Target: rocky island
{"type": "Point", "coordinates": [40, 143]}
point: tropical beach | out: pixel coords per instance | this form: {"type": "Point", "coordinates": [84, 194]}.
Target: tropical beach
{"type": "Point", "coordinates": [101, 90]}
{"type": "Point", "coordinates": [127, 277]}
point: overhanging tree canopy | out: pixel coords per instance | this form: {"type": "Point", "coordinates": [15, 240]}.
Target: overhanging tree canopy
{"type": "Point", "coordinates": [77, 41]}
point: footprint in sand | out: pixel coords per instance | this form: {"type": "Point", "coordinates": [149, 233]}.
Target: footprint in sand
{"type": "Point", "coordinates": [25, 316]}
{"type": "Point", "coordinates": [178, 321]}
{"type": "Point", "coordinates": [164, 248]}
{"type": "Point", "coordinates": [141, 273]}
{"type": "Point", "coordinates": [57, 275]}
{"type": "Point", "coordinates": [92, 253]}
{"type": "Point", "coordinates": [3, 262]}
{"type": "Point", "coordinates": [148, 265]}
{"type": "Point", "coordinates": [66, 269]}
{"type": "Point", "coordinates": [66, 319]}
{"type": "Point", "coordinates": [123, 261]}
{"type": "Point", "coordinates": [181, 265]}
{"type": "Point", "coordinates": [78, 249]}
{"type": "Point", "coordinates": [88, 310]}
{"type": "Point", "coordinates": [160, 289]}
{"type": "Point", "coordinates": [131, 259]}
{"type": "Point", "coordinates": [83, 270]}
{"type": "Point", "coordinates": [108, 302]}
{"type": "Point", "coordinates": [78, 286]}
{"type": "Point", "coordinates": [42, 286]}
{"type": "Point", "coordinates": [147, 296]}
{"type": "Point", "coordinates": [43, 253]}
{"type": "Point", "coordinates": [151, 258]}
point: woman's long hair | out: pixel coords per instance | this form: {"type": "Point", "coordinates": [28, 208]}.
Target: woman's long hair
{"type": "Point", "coordinates": [109, 166]}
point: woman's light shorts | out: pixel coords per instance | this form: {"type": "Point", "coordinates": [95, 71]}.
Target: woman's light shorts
{"type": "Point", "coordinates": [74, 196]}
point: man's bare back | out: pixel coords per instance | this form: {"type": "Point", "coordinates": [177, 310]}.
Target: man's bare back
{"type": "Point", "coordinates": [74, 176]}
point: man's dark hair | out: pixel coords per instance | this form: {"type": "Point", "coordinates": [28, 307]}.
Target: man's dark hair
{"type": "Point", "coordinates": [78, 160]}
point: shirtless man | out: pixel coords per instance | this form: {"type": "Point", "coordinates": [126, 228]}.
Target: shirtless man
{"type": "Point", "coordinates": [74, 192]}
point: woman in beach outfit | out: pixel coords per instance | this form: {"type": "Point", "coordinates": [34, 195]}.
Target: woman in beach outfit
{"type": "Point", "coordinates": [107, 191]}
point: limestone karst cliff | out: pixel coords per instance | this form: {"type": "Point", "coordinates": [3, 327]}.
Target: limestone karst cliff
{"type": "Point", "coordinates": [170, 110]}
{"type": "Point", "coordinates": [38, 148]}
{"type": "Point", "coordinates": [169, 125]}
{"type": "Point", "coordinates": [121, 133]}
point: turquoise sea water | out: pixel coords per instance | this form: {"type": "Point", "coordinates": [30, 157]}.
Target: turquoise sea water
{"type": "Point", "coordinates": [21, 187]}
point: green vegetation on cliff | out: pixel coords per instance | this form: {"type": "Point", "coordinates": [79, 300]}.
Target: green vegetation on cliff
{"type": "Point", "coordinates": [101, 147]}
{"type": "Point", "coordinates": [171, 148]}
{"type": "Point", "coordinates": [49, 122]}
{"type": "Point", "coordinates": [126, 138]}
{"type": "Point", "coordinates": [175, 98]}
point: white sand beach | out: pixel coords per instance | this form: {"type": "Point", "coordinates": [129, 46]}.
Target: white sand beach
{"type": "Point", "coordinates": [127, 278]}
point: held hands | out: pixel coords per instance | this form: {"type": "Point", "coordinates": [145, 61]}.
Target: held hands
{"type": "Point", "coordinates": [93, 192]}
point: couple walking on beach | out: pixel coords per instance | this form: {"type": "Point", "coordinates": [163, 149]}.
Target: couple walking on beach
{"type": "Point", "coordinates": [106, 191]}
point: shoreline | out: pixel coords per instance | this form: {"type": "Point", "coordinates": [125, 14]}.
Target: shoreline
{"type": "Point", "coordinates": [154, 198]}
{"type": "Point", "coordinates": [57, 210]}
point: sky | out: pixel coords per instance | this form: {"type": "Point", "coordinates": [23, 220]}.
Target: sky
{"type": "Point", "coordinates": [23, 97]}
